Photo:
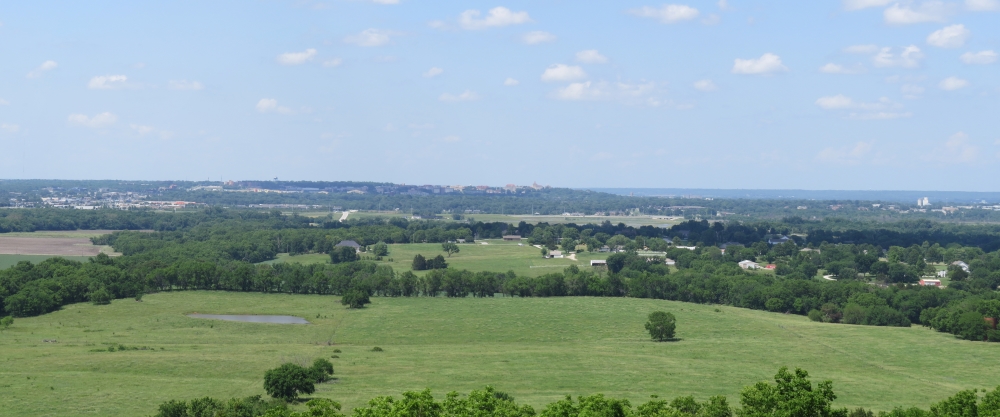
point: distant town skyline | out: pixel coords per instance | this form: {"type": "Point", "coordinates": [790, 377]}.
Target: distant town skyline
{"type": "Point", "coordinates": [720, 94]}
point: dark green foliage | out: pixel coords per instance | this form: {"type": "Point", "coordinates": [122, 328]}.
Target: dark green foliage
{"type": "Point", "coordinates": [661, 325]}
{"type": "Point", "coordinates": [6, 322]}
{"type": "Point", "coordinates": [287, 381]}
{"type": "Point", "coordinates": [419, 263]}
{"type": "Point", "coordinates": [380, 249]}
{"type": "Point", "coordinates": [792, 395]}
{"type": "Point", "coordinates": [101, 297]}
{"type": "Point", "coordinates": [377, 349]}
{"type": "Point", "coordinates": [342, 254]}
{"type": "Point", "coordinates": [356, 298]}
{"type": "Point", "coordinates": [815, 315]}
{"type": "Point", "coordinates": [321, 370]}
{"type": "Point", "coordinates": [450, 248]}
{"type": "Point", "coordinates": [208, 407]}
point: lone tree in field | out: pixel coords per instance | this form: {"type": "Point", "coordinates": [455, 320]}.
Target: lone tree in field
{"type": "Point", "coordinates": [661, 326]}
{"type": "Point", "coordinates": [287, 381]}
{"type": "Point", "coordinates": [450, 248]}
{"type": "Point", "coordinates": [355, 299]}
{"type": "Point", "coordinates": [6, 322]}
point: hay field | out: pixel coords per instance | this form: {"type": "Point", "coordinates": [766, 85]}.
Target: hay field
{"type": "Point", "coordinates": [536, 349]}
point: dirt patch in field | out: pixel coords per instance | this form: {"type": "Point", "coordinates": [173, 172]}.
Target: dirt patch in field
{"type": "Point", "coordinates": [47, 246]}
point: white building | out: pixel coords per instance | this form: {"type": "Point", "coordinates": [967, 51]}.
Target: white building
{"type": "Point", "coordinates": [748, 264]}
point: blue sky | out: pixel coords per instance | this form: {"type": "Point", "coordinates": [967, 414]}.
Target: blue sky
{"type": "Point", "coordinates": [852, 94]}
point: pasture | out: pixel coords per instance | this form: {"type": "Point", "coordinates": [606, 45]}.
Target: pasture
{"type": "Point", "coordinates": [496, 255]}
{"type": "Point", "coordinates": [536, 349]}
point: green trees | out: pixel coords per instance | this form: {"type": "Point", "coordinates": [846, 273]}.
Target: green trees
{"type": "Point", "coordinates": [101, 297]}
{"type": "Point", "coordinates": [355, 298]}
{"type": "Point", "coordinates": [341, 254]}
{"type": "Point", "coordinates": [6, 322]}
{"type": "Point", "coordinates": [449, 248]}
{"type": "Point", "coordinates": [321, 370]}
{"type": "Point", "coordinates": [661, 325]}
{"type": "Point", "coordinates": [422, 264]}
{"type": "Point", "coordinates": [792, 395]}
{"type": "Point", "coordinates": [287, 381]}
{"type": "Point", "coordinates": [380, 249]}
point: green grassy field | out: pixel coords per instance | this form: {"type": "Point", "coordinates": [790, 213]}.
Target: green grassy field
{"type": "Point", "coordinates": [536, 349]}
{"type": "Point", "coordinates": [497, 255]}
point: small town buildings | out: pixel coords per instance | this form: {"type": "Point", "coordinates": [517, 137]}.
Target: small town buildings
{"type": "Point", "coordinates": [748, 264]}
{"type": "Point", "coordinates": [777, 240]}
{"type": "Point", "coordinates": [960, 264]}
{"type": "Point", "coordinates": [942, 274]}
{"type": "Point", "coordinates": [671, 262]}
{"type": "Point", "coordinates": [930, 282]}
{"type": "Point", "coordinates": [512, 238]}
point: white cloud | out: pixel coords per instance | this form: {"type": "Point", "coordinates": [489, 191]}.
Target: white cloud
{"type": "Point", "coordinates": [46, 66]}
{"type": "Point", "coordinates": [98, 121]}
{"type": "Point", "coordinates": [270, 105]}
{"type": "Point", "coordinates": [608, 91]}
{"type": "Point", "coordinates": [296, 58]}
{"type": "Point", "coordinates": [956, 149]}
{"type": "Point", "coordinates": [880, 115]}
{"type": "Point", "coordinates": [953, 36]}
{"type": "Point", "coordinates": [705, 85]}
{"type": "Point", "coordinates": [668, 13]}
{"type": "Point", "coordinates": [982, 5]}
{"type": "Point", "coordinates": [185, 85]}
{"type": "Point", "coordinates": [537, 37]}
{"type": "Point", "coordinates": [864, 4]}
{"type": "Point", "coordinates": [452, 138]}
{"type": "Point", "coordinates": [107, 82]}
{"type": "Point", "coordinates": [832, 68]}
{"type": "Point", "coordinates": [370, 37]}
{"type": "Point", "coordinates": [979, 58]}
{"type": "Point", "coordinates": [385, 1]}
{"type": "Point", "coordinates": [850, 155]}
{"type": "Point", "coordinates": [835, 102]}
{"type": "Point", "coordinates": [953, 83]}
{"type": "Point", "coordinates": [10, 127]}
{"type": "Point", "coordinates": [911, 91]}
{"type": "Point", "coordinates": [466, 95]}
{"type": "Point", "coordinates": [510, 82]}
{"type": "Point", "coordinates": [433, 72]}
{"type": "Point", "coordinates": [767, 64]}
{"type": "Point", "coordinates": [909, 57]}
{"type": "Point", "coordinates": [332, 62]}
{"type": "Point", "coordinates": [724, 5]}
{"type": "Point", "coordinates": [4, 102]}
{"type": "Point", "coordinates": [591, 56]}
{"type": "Point", "coordinates": [861, 49]}
{"type": "Point", "coordinates": [929, 11]}
{"type": "Point", "coordinates": [878, 110]}
{"type": "Point", "coordinates": [141, 129]}
{"type": "Point", "coordinates": [497, 17]}
{"type": "Point", "coordinates": [561, 72]}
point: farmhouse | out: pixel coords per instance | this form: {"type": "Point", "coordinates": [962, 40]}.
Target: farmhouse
{"type": "Point", "coordinates": [748, 264]}
{"type": "Point", "coordinates": [930, 282]}
{"type": "Point", "coordinates": [670, 261]}
{"type": "Point", "coordinates": [960, 264]}
{"type": "Point", "coordinates": [597, 262]}
{"type": "Point", "coordinates": [512, 238]}
{"type": "Point", "coordinates": [351, 244]}
{"type": "Point", "coordinates": [555, 254]}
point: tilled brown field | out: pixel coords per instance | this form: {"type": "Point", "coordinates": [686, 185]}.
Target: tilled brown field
{"type": "Point", "coordinates": [47, 246]}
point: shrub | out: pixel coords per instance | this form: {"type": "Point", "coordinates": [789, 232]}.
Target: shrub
{"type": "Point", "coordinates": [287, 381]}
{"type": "Point", "coordinates": [101, 297]}
{"type": "Point", "coordinates": [336, 351]}
{"type": "Point", "coordinates": [377, 349]}
{"type": "Point", "coordinates": [321, 370]}
{"type": "Point", "coordinates": [815, 315]}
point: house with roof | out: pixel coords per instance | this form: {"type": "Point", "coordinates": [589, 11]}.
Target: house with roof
{"type": "Point", "coordinates": [349, 243]}
{"type": "Point", "coordinates": [555, 254]}
{"type": "Point", "coordinates": [512, 238]}
{"type": "Point", "coordinates": [960, 264]}
{"type": "Point", "coordinates": [930, 282]}
{"type": "Point", "coordinates": [748, 264]}
{"type": "Point", "coordinates": [599, 262]}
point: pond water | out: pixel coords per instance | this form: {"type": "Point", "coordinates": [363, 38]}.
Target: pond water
{"type": "Point", "coordinates": [252, 318]}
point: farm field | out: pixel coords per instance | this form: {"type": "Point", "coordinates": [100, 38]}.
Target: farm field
{"type": "Point", "coordinates": [536, 349]}
{"type": "Point", "coordinates": [7, 261]}
{"type": "Point", "coordinates": [39, 246]}
{"type": "Point", "coordinates": [496, 255]}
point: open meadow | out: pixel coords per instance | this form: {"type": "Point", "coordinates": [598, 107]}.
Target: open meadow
{"type": "Point", "coordinates": [537, 349]}
{"type": "Point", "coordinates": [495, 255]}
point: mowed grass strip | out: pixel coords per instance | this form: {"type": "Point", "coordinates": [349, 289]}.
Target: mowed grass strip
{"type": "Point", "coordinates": [537, 349]}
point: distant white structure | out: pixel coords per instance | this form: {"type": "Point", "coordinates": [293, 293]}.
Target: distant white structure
{"type": "Point", "coordinates": [923, 202]}
{"type": "Point", "coordinates": [597, 262]}
{"type": "Point", "coordinates": [748, 264]}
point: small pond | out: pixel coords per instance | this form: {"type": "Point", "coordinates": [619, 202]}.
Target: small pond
{"type": "Point", "coordinates": [252, 318]}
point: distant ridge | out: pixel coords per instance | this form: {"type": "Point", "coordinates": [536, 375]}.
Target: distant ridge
{"type": "Point", "coordinates": [866, 195]}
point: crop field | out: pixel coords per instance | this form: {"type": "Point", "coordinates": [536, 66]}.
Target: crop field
{"type": "Point", "coordinates": [39, 246]}
{"type": "Point", "coordinates": [496, 255]}
{"type": "Point", "coordinates": [534, 348]}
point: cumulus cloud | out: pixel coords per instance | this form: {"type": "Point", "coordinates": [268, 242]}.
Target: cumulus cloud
{"type": "Point", "coordinates": [98, 121]}
{"type": "Point", "coordinates": [832, 68]}
{"type": "Point", "coordinates": [10, 127]}
{"type": "Point", "coordinates": [705, 85]}
{"type": "Point", "coordinates": [767, 64]}
{"type": "Point", "coordinates": [536, 37]}
{"type": "Point", "coordinates": [850, 155]}
{"type": "Point", "coordinates": [561, 72]}
{"type": "Point", "coordinates": [185, 85]}
{"type": "Point", "coordinates": [296, 58]}
{"type": "Point", "coordinates": [911, 91]}
{"type": "Point", "coordinates": [668, 13]}
{"type": "Point", "coordinates": [953, 36]}
{"type": "Point", "coordinates": [882, 115]}
{"type": "Point", "coordinates": [979, 58]}
{"type": "Point", "coordinates": [451, 138]}
{"type": "Point", "coordinates": [928, 11]}
{"type": "Point", "coordinates": [332, 62]}
{"type": "Point", "coordinates": [107, 82]}
{"type": "Point", "coordinates": [591, 56]}
{"type": "Point", "coordinates": [909, 57]}
{"type": "Point", "coordinates": [982, 5]}
{"type": "Point", "coordinates": [45, 67]}
{"type": "Point", "coordinates": [510, 82]}
{"type": "Point", "coordinates": [627, 92]}
{"type": "Point", "coordinates": [466, 95]}
{"type": "Point", "coordinates": [433, 72]}
{"type": "Point", "coordinates": [496, 17]}
{"type": "Point", "coordinates": [864, 4]}
{"type": "Point", "coordinates": [724, 5]}
{"type": "Point", "coordinates": [879, 110]}
{"type": "Point", "coordinates": [953, 83]}
{"type": "Point", "coordinates": [861, 49]}
{"type": "Point", "coordinates": [142, 130]}
{"type": "Point", "coordinates": [270, 105]}
{"type": "Point", "coordinates": [370, 37]}
{"type": "Point", "coordinates": [955, 150]}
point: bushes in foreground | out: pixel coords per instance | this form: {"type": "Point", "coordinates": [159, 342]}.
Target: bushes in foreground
{"type": "Point", "coordinates": [791, 395]}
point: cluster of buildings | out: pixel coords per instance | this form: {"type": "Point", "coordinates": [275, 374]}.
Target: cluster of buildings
{"type": "Point", "coordinates": [387, 189]}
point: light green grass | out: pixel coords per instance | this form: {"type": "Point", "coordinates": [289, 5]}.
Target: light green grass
{"type": "Point", "coordinates": [59, 234]}
{"type": "Point", "coordinates": [497, 256]}
{"type": "Point", "coordinates": [536, 349]}
{"type": "Point", "coordinates": [7, 261]}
